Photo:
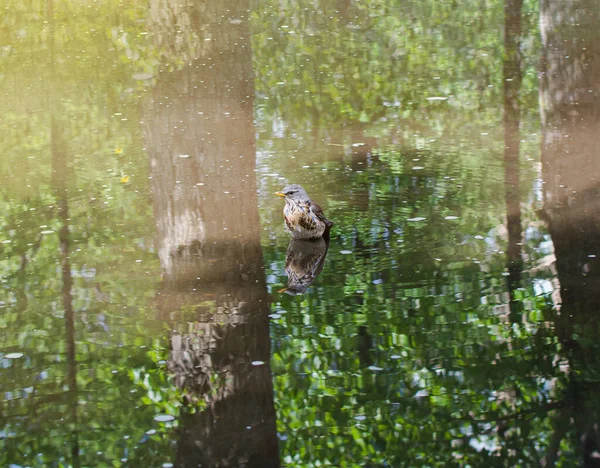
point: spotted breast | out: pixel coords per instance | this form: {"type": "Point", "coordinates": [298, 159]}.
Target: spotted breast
{"type": "Point", "coordinates": [304, 219]}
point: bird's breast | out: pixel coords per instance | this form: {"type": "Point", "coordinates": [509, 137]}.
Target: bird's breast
{"type": "Point", "coordinates": [299, 217]}
{"type": "Point", "coordinates": [293, 212]}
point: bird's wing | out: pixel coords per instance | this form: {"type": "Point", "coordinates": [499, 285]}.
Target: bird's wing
{"type": "Point", "coordinates": [316, 209]}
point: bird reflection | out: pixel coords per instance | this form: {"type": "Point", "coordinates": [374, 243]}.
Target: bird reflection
{"type": "Point", "coordinates": [304, 261]}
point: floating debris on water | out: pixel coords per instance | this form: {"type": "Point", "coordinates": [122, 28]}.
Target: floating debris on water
{"type": "Point", "coordinates": [14, 355]}
{"type": "Point", "coordinates": [418, 218]}
{"type": "Point", "coordinates": [164, 418]}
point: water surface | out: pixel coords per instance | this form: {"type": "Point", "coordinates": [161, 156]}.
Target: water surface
{"type": "Point", "coordinates": [145, 312]}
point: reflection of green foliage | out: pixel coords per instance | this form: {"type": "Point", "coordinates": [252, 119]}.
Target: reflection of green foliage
{"type": "Point", "coordinates": [445, 379]}
{"type": "Point", "coordinates": [344, 62]}
{"type": "Point", "coordinates": [440, 375]}
{"type": "Point", "coordinates": [436, 377]}
{"type": "Point", "coordinates": [110, 226]}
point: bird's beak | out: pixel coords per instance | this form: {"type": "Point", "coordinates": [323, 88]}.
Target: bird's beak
{"type": "Point", "coordinates": [280, 194]}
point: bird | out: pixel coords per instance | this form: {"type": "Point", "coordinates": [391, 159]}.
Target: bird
{"type": "Point", "coordinates": [304, 219]}
{"type": "Point", "coordinates": [304, 260]}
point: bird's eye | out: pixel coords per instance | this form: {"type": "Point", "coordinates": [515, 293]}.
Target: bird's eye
{"type": "Point", "coordinates": [291, 192]}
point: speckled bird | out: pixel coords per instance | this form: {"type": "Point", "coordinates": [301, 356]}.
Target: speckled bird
{"type": "Point", "coordinates": [304, 219]}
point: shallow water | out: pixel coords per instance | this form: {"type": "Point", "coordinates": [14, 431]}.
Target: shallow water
{"type": "Point", "coordinates": [146, 315]}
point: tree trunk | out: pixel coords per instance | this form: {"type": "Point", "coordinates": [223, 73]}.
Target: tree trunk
{"type": "Point", "coordinates": [512, 116]}
{"type": "Point", "coordinates": [200, 136]}
{"type": "Point", "coordinates": [569, 93]}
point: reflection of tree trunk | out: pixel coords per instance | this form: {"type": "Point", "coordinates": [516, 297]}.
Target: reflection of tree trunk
{"type": "Point", "coordinates": [59, 185]}
{"type": "Point", "coordinates": [365, 346]}
{"type": "Point", "coordinates": [201, 142]}
{"type": "Point", "coordinates": [512, 84]}
{"type": "Point", "coordinates": [200, 136]}
{"type": "Point", "coordinates": [560, 426]}
{"type": "Point", "coordinates": [227, 367]}
{"type": "Point", "coordinates": [181, 27]}
{"type": "Point", "coordinates": [59, 174]}
{"type": "Point", "coordinates": [569, 92]}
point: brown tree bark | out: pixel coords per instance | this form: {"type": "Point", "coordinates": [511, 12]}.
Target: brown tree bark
{"type": "Point", "coordinates": [512, 116]}
{"type": "Point", "coordinates": [200, 137]}
{"type": "Point", "coordinates": [569, 92]}
{"type": "Point", "coordinates": [570, 109]}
